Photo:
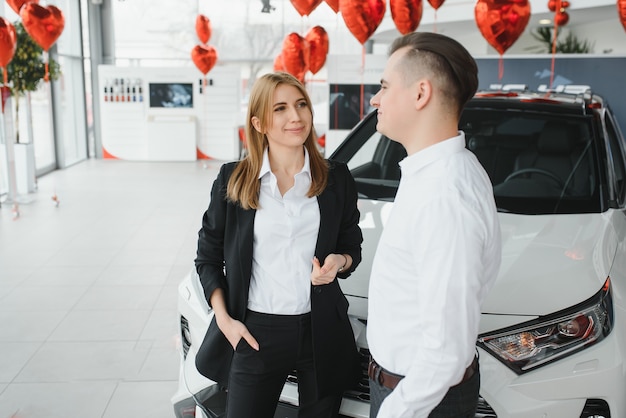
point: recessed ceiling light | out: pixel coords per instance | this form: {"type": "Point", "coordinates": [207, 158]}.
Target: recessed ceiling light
{"type": "Point", "coordinates": [545, 22]}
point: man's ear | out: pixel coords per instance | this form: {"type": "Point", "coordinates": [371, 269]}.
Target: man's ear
{"type": "Point", "coordinates": [423, 93]}
{"type": "Point", "coordinates": [257, 124]}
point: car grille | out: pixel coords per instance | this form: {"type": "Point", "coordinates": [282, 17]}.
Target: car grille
{"type": "Point", "coordinates": [361, 391]}
{"type": "Point", "coordinates": [484, 410]}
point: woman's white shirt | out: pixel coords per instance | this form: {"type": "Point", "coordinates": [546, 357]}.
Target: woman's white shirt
{"type": "Point", "coordinates": [285, 234]}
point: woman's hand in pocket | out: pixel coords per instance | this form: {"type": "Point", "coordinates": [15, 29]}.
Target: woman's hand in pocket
{"type": "Point", "coordinates": [234, 331]}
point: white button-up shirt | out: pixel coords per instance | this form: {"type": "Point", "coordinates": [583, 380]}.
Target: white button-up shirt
{"type": "Point", "coordinates": [438, 256]}
{"type": "Point", "coordinates": [285, 235]}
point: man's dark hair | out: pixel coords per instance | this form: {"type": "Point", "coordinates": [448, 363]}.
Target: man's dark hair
{"type": "Point", "coordinates": [446, 58]}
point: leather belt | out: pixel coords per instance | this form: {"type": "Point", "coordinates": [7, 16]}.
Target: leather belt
{"type": "Point", "coordinates": [391, 380]}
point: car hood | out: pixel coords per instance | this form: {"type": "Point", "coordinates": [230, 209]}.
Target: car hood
{"type": "Point", "coordinates": [549, 262]}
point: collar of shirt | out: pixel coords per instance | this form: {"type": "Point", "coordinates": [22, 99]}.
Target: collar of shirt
{"type": "Point", "coordinates": [415, 162]}
{"type": "Point", "coordinates": [266, 175]}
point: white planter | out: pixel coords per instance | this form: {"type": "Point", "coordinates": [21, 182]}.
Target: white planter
{"type": "Point", "coordinates": [25, 179]}
{"type": "Point", "coordinates": [4, 173]}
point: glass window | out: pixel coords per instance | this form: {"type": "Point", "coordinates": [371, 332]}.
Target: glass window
{"type": "Point", "coordinates": [70, 111]}
{"type": "Point", "coordinates": [538, 163]}
{"type": "Point", "coordinates": [373, 161]}
{"type": "Point", "coordinates": [43, 129]}
{"type": "Point", "coordinates": [69, 90]}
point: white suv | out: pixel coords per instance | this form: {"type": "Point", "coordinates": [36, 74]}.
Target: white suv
{"type": "Point", "coordinates": [551, 343]}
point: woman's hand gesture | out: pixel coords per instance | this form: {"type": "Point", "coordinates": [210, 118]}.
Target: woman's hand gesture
{"type": "Point", "coordinates": [326, 274]}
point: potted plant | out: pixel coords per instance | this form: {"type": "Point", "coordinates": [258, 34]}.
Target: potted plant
{"type": "Point", "coordinates": [570, 45]}
{"type": "Point", "coordinates": [26, 70]}
{"type": "Point", "coordinates": [25, 73]}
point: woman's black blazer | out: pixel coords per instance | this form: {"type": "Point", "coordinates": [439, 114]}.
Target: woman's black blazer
{"type": "Point", "coordinates": [224, 260]}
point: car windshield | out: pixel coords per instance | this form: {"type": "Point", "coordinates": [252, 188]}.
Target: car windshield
{"type": "Point", "coordinates": [538, 163]}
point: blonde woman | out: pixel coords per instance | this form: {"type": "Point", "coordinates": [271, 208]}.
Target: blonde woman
{"type": "Point", "coordinates": [281, 227]}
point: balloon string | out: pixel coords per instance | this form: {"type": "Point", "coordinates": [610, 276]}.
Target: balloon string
{"type": "Point", "coordinates": [362, 60]}
{"type": "Point", "coordinates": [362, 101]}
{"type": "Point", "coordinates": [362, 87]}
{"type": "Point", "coordinates": [435, 22]}
{"type": "Point", "coordinates": [500, 68]}
{"type": "Point", "coordinates": [336, 107]}
{"type": "Point", "coordinates": [46, 76]}
{"type": "Point", "coordinates": [556, 28]}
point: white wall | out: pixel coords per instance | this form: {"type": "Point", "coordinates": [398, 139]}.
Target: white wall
{"type": "Point", "coordinates": [132, 129]}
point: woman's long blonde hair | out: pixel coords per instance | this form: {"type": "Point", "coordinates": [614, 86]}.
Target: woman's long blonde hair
{"type": "Point", "coordinates": [244, 184]}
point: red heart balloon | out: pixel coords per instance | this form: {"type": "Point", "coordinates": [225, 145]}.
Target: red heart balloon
{"type": "Point", "coordinates": [296, 55]}
{"type": "Point", "coordinates": [362, 17]}
{"type": "Point", "coordinates": [406, 14]}
{"type": "Point", "coordinates": [205, 57]}
{"type": "Point", "coordinates": [305, 7]}
{"type": "Point", "coordinates": [43, 24]}
{"type": "Point", "coordinates": [561, 18]}
{"type": "Point", "coordinates": [278, 63]}
{"type": "Point", "coordinates": [17, 4]}
{"type": "Point", "coordinates": [334, 4]}
{"type": "Point", "coordinates": [502, 22]}
{"type": "Point", "coordinates": [558, 5]}
{"type": "Point", "coordinates": [203, 28]}
{"type": "Point", "coordinates": [317, 38]}
{"type": "Point", "coordinates": [621, 10]}
{"type": "Point", "coordinates": [436, 3]}
{"type": "Point", "coordinates": [8, 43]}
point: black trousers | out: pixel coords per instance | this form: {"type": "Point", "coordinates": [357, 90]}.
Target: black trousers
{"type": "Point", "coordinates": [257, 377]}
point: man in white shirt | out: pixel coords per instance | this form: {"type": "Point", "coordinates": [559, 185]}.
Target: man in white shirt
{"type": "Point", "coordinates": [439, 253]}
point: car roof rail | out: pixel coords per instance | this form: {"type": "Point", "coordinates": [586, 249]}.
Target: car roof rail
{"type": "Point", "coordinates": [579, 93]}
{"type": "Point", "coordinates": [582, 92]}
{"type": "Point", "coordinates": [508, 87]}
{"type": "Point", "coordinates": [566, 88]}
{"type": "Point", "coordinates": [577, 88]}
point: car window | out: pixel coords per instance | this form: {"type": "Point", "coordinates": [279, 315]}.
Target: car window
{"type": "Point", "coordinates": [538, 163]}
{"type": "Point", "coordinates": [365, 154]}
{"type": "Point", "coordinates": [375, 167]}
{"type": "Point", "coordinates": [373, 161]}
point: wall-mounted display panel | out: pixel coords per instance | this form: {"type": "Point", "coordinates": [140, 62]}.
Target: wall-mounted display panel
{"type": "Point", "coordinates": [170, 114]}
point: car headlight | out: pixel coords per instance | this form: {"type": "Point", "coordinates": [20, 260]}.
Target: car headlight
{"type": "Point", "coordinates": [529, 345]}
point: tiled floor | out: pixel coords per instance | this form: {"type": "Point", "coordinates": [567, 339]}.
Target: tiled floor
{"type": "Point", "coordinates": [88, 324]}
